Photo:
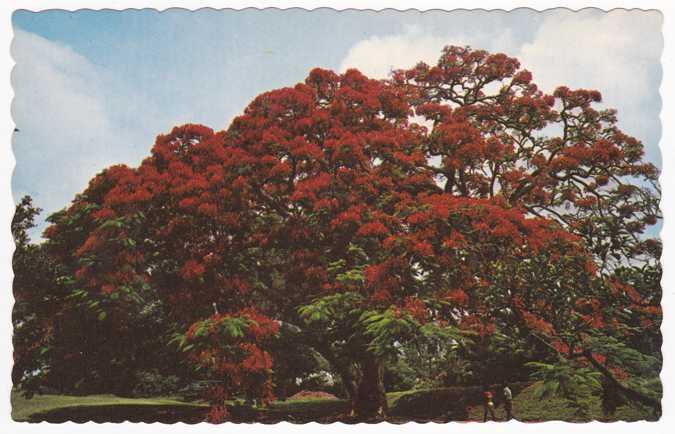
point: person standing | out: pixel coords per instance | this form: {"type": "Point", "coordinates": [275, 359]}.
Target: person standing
{"type": "Point", "coordinates": [508, 402]}
{"type": "Point", "coordinates": [488, 404]}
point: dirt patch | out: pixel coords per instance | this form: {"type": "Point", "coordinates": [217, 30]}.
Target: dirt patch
{"type": "Point", "coordinates": [311, 394]}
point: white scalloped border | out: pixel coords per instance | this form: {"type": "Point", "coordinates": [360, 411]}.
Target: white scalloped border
{"type": "Point", "coordinates": [667, 179]}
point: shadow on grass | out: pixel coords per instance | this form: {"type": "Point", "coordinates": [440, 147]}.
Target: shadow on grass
{"type": "Point", "coordinates": [434, 405]}
{"type": "Point", "coordinates": [439, 405]}
{"type": "Point", "coordinates": [298, 412]}
{"type": "Point", "coordinates": [122, 413]}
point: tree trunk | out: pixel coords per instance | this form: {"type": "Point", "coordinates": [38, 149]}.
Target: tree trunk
{"type": "Point", "coordinates": [366, 392]}
{"type": "Point", "coordinates": [370, 400]}
{"type": "Point", "coordinates": [348, 381]}
{"type": "Point", "coordinates": [282, 391]}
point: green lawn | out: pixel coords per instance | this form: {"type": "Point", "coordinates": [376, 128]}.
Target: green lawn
{"type": "Point", "coordinates": [421, 405]}
{"type": "Point", "coordinates": [25, 409]}
{"type": "Point", "coordinates": [306, 410]}
{"type": "Point", "coordinates": [527, 408]}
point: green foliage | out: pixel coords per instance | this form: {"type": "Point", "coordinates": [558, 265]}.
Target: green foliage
{"type": "Point", "coordinates": [450, 402]}
{"type": "Point", "coordinates": [640, 371]}
{"type": "Point", "coordinates": [303, 363]}
{"type": "Point", "coordinates": [67, 338]}
{"type": "Point", "coordinates": [36, 293]}
{"type": "Point", "coordinates": [155, 383]}
{"type": "Point", "coordinates": [576, 384]}
{"type": "Point", "coordinates": [630, 359]}
{"type": "Point", "coordinates": [527, 407]}
{"type": "Point", "coordinates": [387, 329]}
{"type": "Point", "coordinates": [445, 333]}
{"type": "Point", "coordinates": [349, 277]}
{"type": "Point", "coordinates": [319, 207]}
{"type": "Point", "coordinates": [330, 309]}
{"type": "Point", "coordinates": [227, 331]}
{"type": "Point", "coordinates": [24, 220]}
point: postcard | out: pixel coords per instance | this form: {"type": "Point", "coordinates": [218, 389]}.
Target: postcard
{"type": "Point", "coordinates": [358, 216]}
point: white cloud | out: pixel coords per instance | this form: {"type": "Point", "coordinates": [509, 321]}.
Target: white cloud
{"type": "Point", "coordinates": [610, 51]}
{"type": "Point", "coordinates": [57, 93]}
{"type": "Point", "coordinates": [67, 132]}
{"type": "Point", "coordinates": [617, 53]}
{"type": "Point", "coordinates": [379, 55]}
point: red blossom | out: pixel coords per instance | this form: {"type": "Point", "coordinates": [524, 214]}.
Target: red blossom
{"type": "Point", "coordinates": [372, 229]}
{"type": "Point", "coordinates": [416, 307]}
{"type": "Point", "coordinates": [192, 269]}
{"type": "Point", "coordinates": [458, 296]}
{"type": "Point", "coordinates": [217, 414]}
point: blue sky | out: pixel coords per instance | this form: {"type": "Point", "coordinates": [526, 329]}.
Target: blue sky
{"type": "Point", "coordinates": [94, 88]}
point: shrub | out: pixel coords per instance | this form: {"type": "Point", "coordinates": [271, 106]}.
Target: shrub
{"type": "Point", "coordinates": [153, 383]}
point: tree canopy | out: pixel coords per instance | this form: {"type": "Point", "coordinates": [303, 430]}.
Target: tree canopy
{"type": "Point", "coordinates": [452, 203]}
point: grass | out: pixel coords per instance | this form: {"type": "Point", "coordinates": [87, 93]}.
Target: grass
{"type": "Point", "coordinates": [306, 410]}
{"type": "Point", "coordinates": [421, 405]}
{"type": "Point", "coordinates": [528, 408]}
{"type": "Point", "coordinates": [31, 409]}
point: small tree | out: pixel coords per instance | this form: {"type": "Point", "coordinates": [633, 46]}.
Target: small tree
{"type": "Point", "coordinates": [34, 284]}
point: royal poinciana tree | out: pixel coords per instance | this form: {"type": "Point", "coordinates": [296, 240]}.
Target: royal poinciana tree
{"type": "Point", "coordinates": [450, 202]}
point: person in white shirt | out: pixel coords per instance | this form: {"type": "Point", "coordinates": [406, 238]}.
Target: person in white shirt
{"type": "Point", "coordinates": [508, 402]}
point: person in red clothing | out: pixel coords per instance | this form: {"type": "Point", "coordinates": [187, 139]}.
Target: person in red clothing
{"type": "Point", "coordinates": [488, 404]}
